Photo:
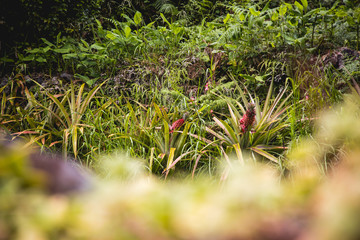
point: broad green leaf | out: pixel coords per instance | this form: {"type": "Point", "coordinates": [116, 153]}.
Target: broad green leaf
{"type": "Point", "coordinates": [137, 18]}
{"type": "Point", "coordinates": [179, 144]}
{"type": "Point", "coordinates": [289, 39]}
{"type": "Point", "coordinates": [128, 19]}
{"type": "Point", "coordinates": [127, 31]}
{"type": "Point", "coordinates": [234, 119]}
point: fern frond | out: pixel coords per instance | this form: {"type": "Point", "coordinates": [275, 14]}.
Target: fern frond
{"type": "Point", "coordinates": [168, 9]}
{"type": "Point", "coordinates": [233, 32]}
{"type": "Point", "coordinates": [159, 3]}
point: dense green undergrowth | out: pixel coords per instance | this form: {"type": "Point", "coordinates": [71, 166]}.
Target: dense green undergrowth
{"type": "Point", "coordinates": [140, 77]}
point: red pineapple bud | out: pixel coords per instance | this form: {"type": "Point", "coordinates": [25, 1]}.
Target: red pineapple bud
{"type": "Point", "coordinates": [248, 119]}
{"type": "Point", "coordinates": [178, 123]}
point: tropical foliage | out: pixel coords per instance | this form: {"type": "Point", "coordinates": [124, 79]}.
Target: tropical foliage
{"type": "Point", "coordinates": [188, 119]}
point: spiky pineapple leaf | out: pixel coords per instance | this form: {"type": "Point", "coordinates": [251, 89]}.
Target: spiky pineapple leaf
{"type": "Point", "coordinates": [228, 130]}
{"type": "Point", "coordinates": [265, 154]}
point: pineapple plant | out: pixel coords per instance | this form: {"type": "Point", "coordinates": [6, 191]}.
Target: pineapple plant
{"type": "Point", "coordinates": [252, 129]}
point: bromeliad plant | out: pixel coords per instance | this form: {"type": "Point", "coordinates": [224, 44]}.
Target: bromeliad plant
{"type": "Point", "coordinates": [151, 128]}
{"type": "Point", "coordinates": [62, 115]}
{"type": "Point", "coordinates": [169, 142]}
{"type": "Point", "coordinates": [255, 128]}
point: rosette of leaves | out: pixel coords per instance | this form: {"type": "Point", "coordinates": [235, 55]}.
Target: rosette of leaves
{"type": "Point", "coordinates": [259, 140]}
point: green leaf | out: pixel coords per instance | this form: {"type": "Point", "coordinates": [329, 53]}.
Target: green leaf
{"type": "Point", "coordinates": [238, 152]}
{"type": "Point", "coordinates": [62, 50]}
{"type": "Point", "coordinates": [228, 130]}
{"type": "Point", "coordinates": [46, 49]}
{"type": "Point", "coordinates": [305, 4]}
{"type": "Point", "coordinates": [69, 56]}
{"type": "Point", "coordinates": [275, 16]}
{"type": "Point", "coordinates": [137, 18]}
{"type": "Point", "coordinates": [29, 58]}
{"type": "Point", "coordinates": [282, 10]}
{"type": "Point", "coordinates": [242, 17]}
{"type": "Point", "coordinates": [47, 42]}
{"type": "Point", "coordinates": [259, 79]}
{"type": "Point", "coordinates": [127, 31]}
{"type": "Point", "coordinates": [299, 6]}
{"type": "Point", "coordinates": [74, 139]}
{"type": "Point", "coordinates": [5, 59]}
{"type": "Point", "coordinates": [254, 12]}
{"type": "Point", "coordinates": [40, 59]}
{"type": "Point", "coordinates": [172, 164]}
{"type": "Point", "coordinates": [85, 43]}
{"type": "Point", "coordinates": [182, 140]}
{"type": "Point", "coordinates": [98, 24]}
{"type": "Point", "coordinates": [166, 134]}
{"type": "Point", "coordinates": [164, 19]}
{"type": "Point", "coordinates": [247, 77]}
{"type": "Point", "coordinates": [265, 154]}
{"type": "Point", "coordinates": [97, 46]}
{"type": "Point", "coordinates": [227, 18]}
{"type": "Point", "coordinates": [90, 95]}
{"type": "Point", "coordinates": [86, 79]}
